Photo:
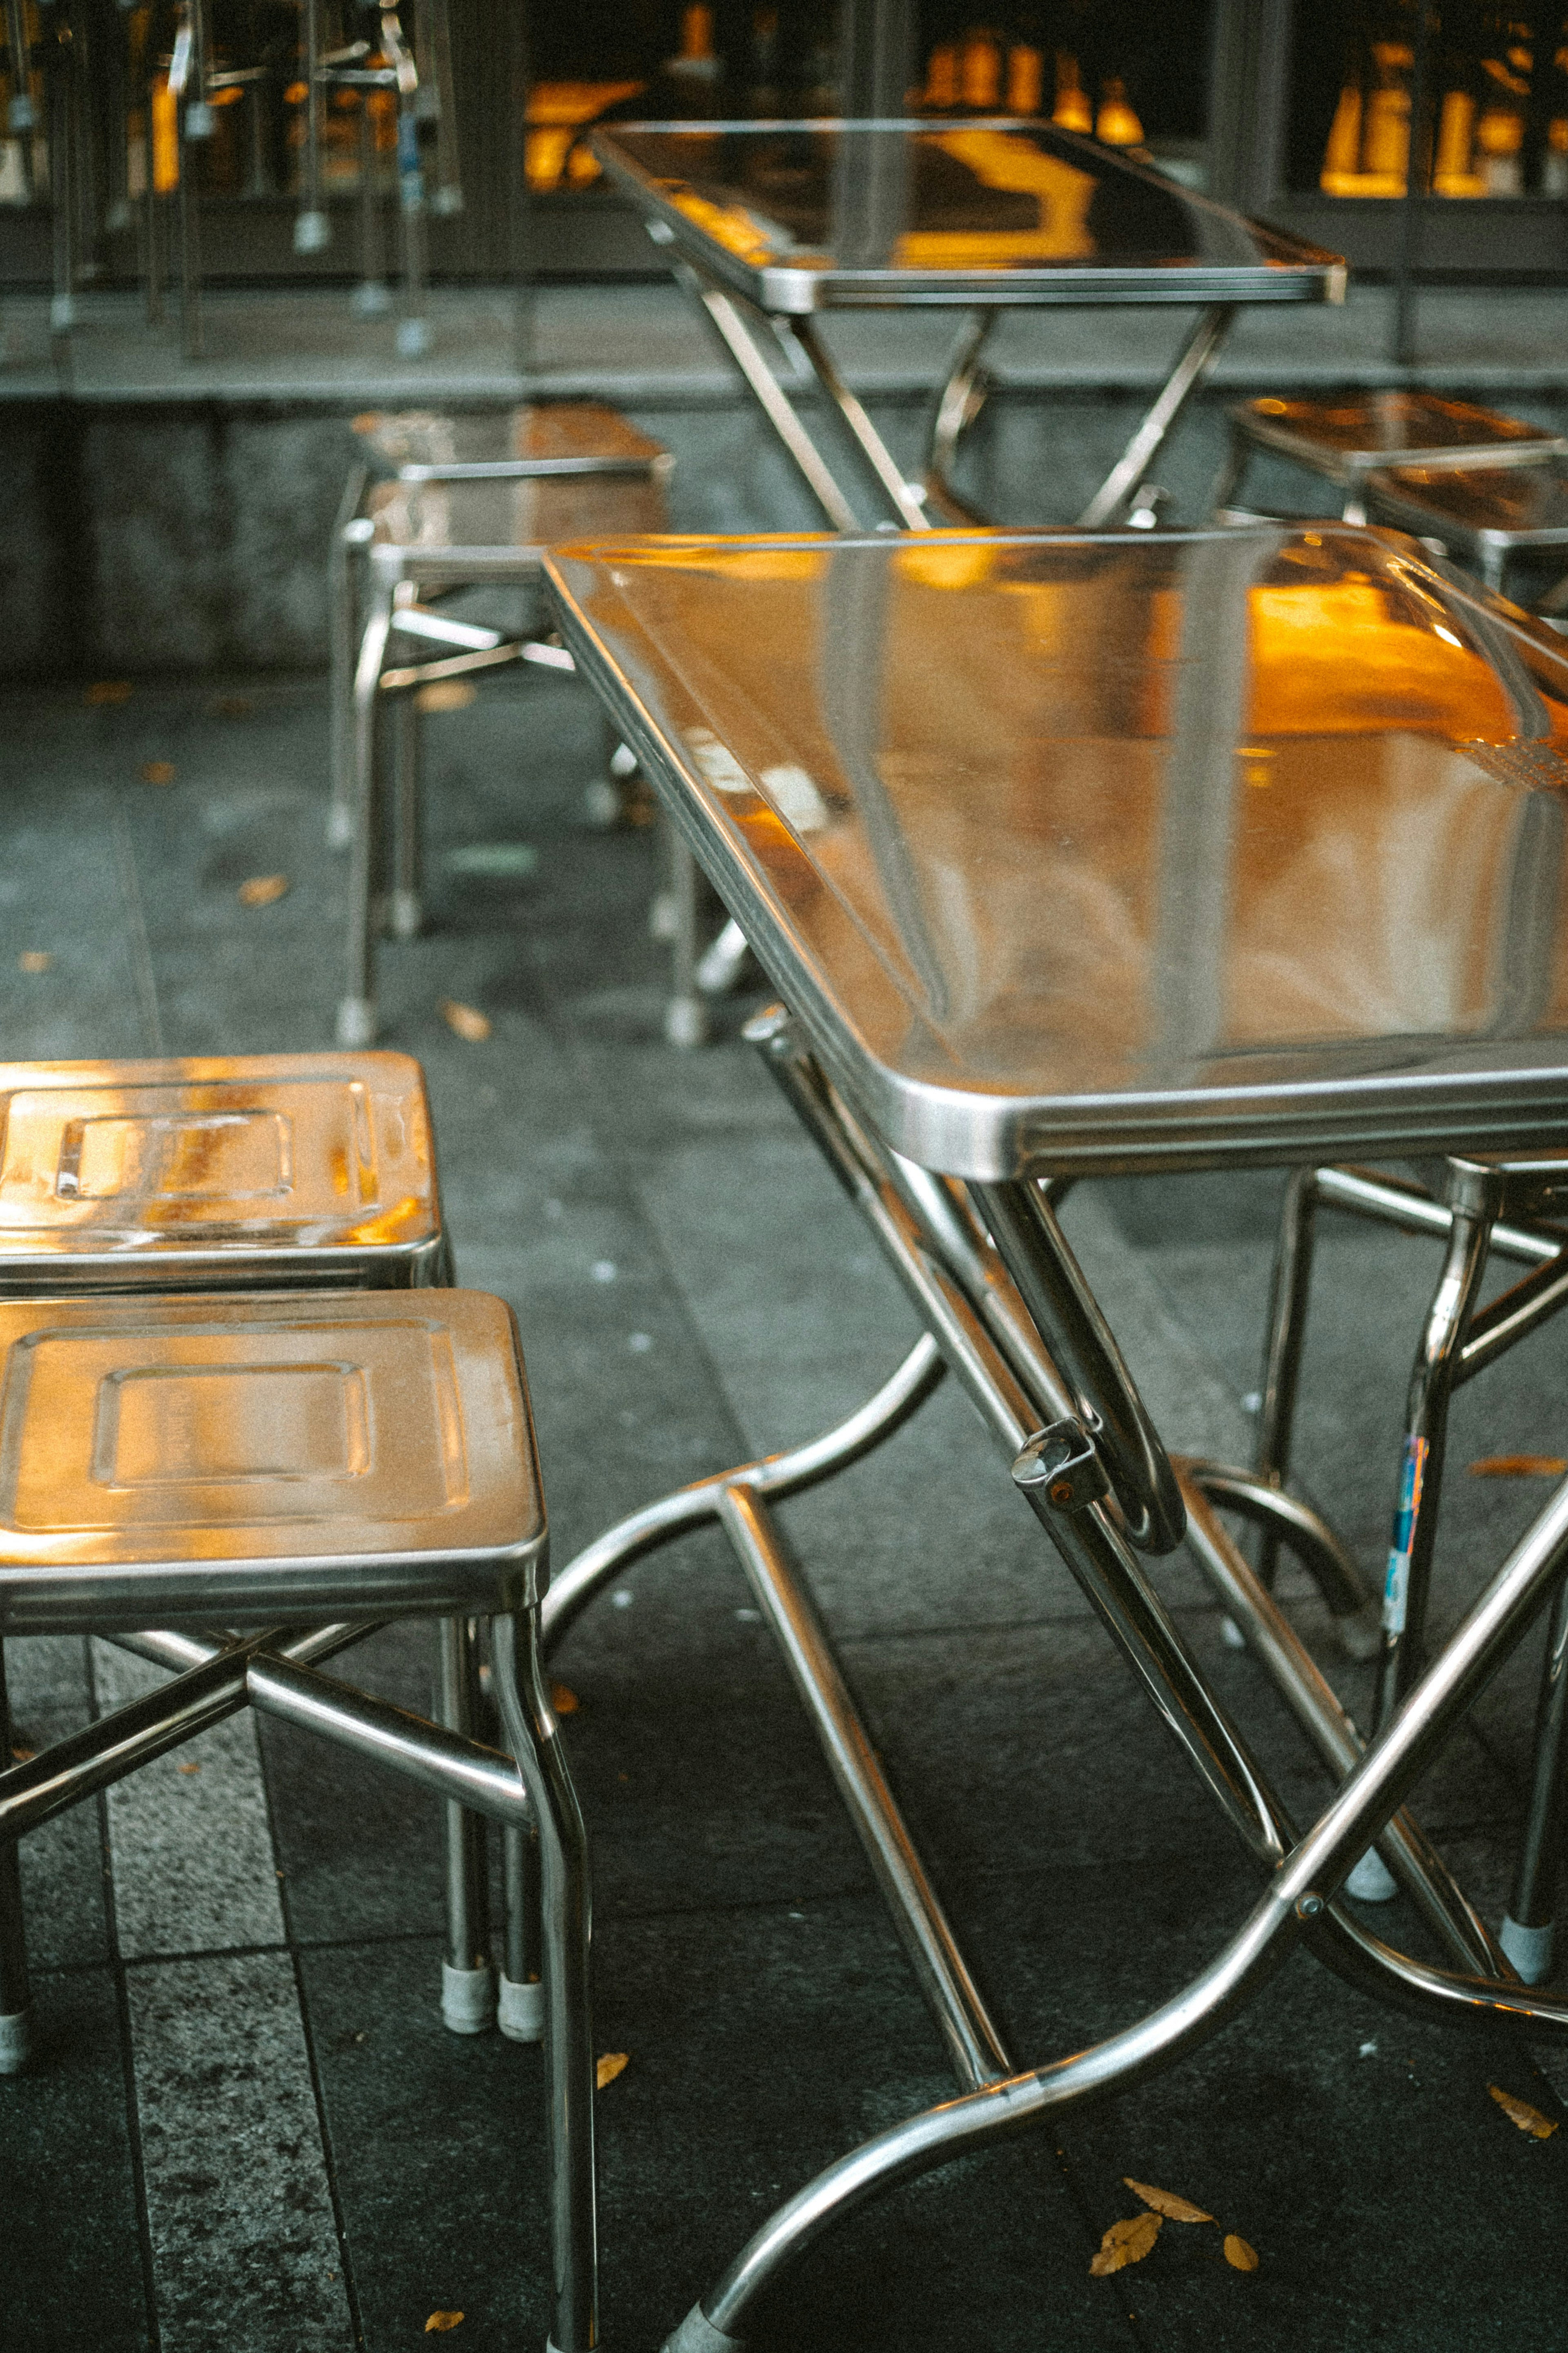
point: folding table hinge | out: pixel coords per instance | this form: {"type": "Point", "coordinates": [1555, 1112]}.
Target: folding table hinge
{"type": "Point", "coordinates": [1061, 1462]}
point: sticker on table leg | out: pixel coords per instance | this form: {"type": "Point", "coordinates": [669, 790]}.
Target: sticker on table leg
{"type": "Point", "coordinates": [1396, 1585]}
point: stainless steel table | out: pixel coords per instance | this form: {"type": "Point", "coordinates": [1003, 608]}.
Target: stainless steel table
{"type": "Point", "coordinates": [781, 222]}
{"type": "Point", "coordinates": [1079, 854]}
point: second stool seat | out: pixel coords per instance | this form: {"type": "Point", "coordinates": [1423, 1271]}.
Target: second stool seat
{"type": "Point", "coordinates": [1343, 440]}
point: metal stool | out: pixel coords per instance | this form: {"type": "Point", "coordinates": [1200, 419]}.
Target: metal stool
{"type": "Point", "coordinates": [1345, 440]}
{"type": "Point", "coordinates": [272, 1172]}
{"type": "Point", "coordinates": [1487, 1204]}
{"type": "Point", "coordinates": [304, 1464]}
{"type": "Point", "coordinates": [447, 520]}
{"type": "Point", "coordinates": [1483, 515]}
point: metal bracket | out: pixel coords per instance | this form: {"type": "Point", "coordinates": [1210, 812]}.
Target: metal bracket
{"type": "Point", "coordinates": [1061, 1460]}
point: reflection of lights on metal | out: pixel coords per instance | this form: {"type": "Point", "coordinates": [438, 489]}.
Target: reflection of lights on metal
{"type": "Point", "coordinates": [979, 71]}
{"type": "Point", "coordinates": [1117, 125]}
{"type": "Point", "coordinates": [1072, 111]}
{"type": "Point", "coordinates": [1025, 80]}
{"type": "Point", "coordinates": [1447, 635]}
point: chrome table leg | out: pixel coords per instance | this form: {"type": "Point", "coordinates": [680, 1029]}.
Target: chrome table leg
{"type": "Point", "coordinates": [356, 1024]}
{"type": "Point", "coordinates": [1526, 1935]}
{"type": "Point", "coordinates": [468, 1980]}
{"type": "Point", "coordinates": [1197, 355]}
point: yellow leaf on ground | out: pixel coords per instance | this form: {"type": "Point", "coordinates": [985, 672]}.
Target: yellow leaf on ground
{"type": "Point", "coordinates": [466, 1020]}
{"type": "Point", "coordinates": [563, 1699]}
{"type": "Point", "coordinates": [109, 690]}
{"type": "Point", "coordinates": [34, 960]}
{"type": "Point", "coordinates": [20, 1756]}
{"type": "Point", "coordinates": [1166, 2202]}
{"type": "Point", "coordinates": [1519, 2112]}
{"type": "Point", "coordinates": [1239, 2255]}
{"type": "Point", "coordinates": [1520, 1466]}
{"type": "Point", "coordinates": [612, 2065]}
{"type": "Point", "coordinates": [445, 694]}
{"type": "Point", "coordinates": [262, 889]}
{"type": "Point", "coordinates": [157, 772]}
{"type": "Point", "coordinates": [188, 1768]}
{"type": "Point", "coordinates": [441, 2322]}
{"type": "Point", "coordinates": [1127, 2242]}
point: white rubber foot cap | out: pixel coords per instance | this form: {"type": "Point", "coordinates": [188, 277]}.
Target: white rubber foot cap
{"type": "Point", "coordinates": [685, 1022]}
{"type": "Point", "coordinates": [1231, 1635]}
{"type": "Point", "coordinates": [62, 313]}
{"type": "Point", "coordinates": [15, 2041]}
{"type": "Point", "coordinates": [404, 915]}
{"type": "Point", "coordinates": [697, 2333]}
{"type": "Point", "coordinates": [468, 2000]}
{"type": "Point", "coordinates": [340, 827]}
{"type": "Point", "coordinates": [1371, 1882]}
{"type": "Point", "coordinates": [1530, 1949]}
{"type": "Point", "coordinates": [520, 2012]}
{"type": "Point", "coordinates": [413, 337]}
{"type": "Point", "coordinates": [601, 803]}
{"type": "Point", "coordinates": [312, 232]}
{"type": "Point", "coordinates": [1360, 1635]}
{"type": "Point", "coordinates": [356, 1022]}
{"type": "Point", "coordinates": [370, 299]}
{"type": "Point", "coordinates": [663, 916]}
{"type": "Point", "coordinates": [722, 966]}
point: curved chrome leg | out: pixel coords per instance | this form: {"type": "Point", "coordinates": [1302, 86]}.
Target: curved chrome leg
{"type": "Point", "coordinates": [774, 1475]}
{"type": "Point", "coordinates": [1285, 1519]}
{"type": "Point", "coordinates": [1298, 1900]}
{"type": "Point", "coordinates": [1289, 1289]}
{"type": "Point", "coordinates": [468, 1980]}
{"type": "Point", "coordinates": [533, 1734]}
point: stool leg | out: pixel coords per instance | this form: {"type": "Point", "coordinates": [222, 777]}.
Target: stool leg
{"type": "Point", "coordinates": [467, 1982]}
{"type": "Point", "coordinates": [352, 534]}
{"type": "Point", "coordinates": [685, 1016]}
{"type": "Point", "coordinates": [356, 1012]}
{"type": "Point", "coordinates": [15, 1999]}
{"type": "Point", "coordinates": [1526, 1934]}
{"type": "Point", "coordinates": [405, 913]}
{"type": "Point", "coordinates": [520, 2012]}
{"type": "Point", "coordinates": [534, 1737]}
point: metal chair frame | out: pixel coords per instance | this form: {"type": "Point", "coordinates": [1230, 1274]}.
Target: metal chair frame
{"type": "Point", "coordinates": [278, 1670]}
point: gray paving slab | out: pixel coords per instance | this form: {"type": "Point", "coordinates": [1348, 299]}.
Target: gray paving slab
{"type": "Point", "coordinates": [244, 2246]}
{"type": "Point", "coordinates": [192, 1847]}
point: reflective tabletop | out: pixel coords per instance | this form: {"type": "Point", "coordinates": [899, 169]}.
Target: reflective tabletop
{"type": "Point", "coordinates": [1485, 501]}
{"type": "Point", "coordinates": [818, 214]}
{"type": "Point", "coordinates": [1117, 850]}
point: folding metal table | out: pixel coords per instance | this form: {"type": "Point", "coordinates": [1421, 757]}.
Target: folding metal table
{"type": "Point", "coordinates": [1079, 854]}
{"type": "Point", "coordinates": [781, 222]}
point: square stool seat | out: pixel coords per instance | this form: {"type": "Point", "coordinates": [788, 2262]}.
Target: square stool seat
{"type": "Point", "coordinates": [263, 1171]}
{"type": "Point", "coordinates": [254, 1458]}
{"type": "Point", "coordinates": [1485, 513]}
{"type": "Point", "coordinates": [1347, 439]}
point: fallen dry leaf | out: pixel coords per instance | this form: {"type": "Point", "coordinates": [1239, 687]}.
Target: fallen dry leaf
{"type": "Point", "coordinates": [1520, 1466]}
{"type": "Point", "coordinates": [1166, 2202]}
{"type": "Point", "coordinates": [109, 690]}
{"type": "Point", "coordinates": [1519, 2112]}
{"type": "Point", "coordinates": [188, 1768]}
{"type": "Point", "coordinates": [441, 2321]}
{"type": "Point", "coordinates": [466, 1020]}
{"type": "Point", "coordinates": [563, 1699]}
{"type": "Point", "coordinates": [445, 694]}
{"type": "Point", "coordinates": [157, 772]}
{"type": "Point", "coordinates": [232, 706]}
{"type": "Point", "coordinates": [34, 960]}
{"type": "Point", "coordinates": [262, 889]}
{"type": "Point", "coordinates": [20, 1756]}
{"type": "Point", "coordinates": [612, 2065]}
{"type": "Point", "coordinates": [1127, 2242]}
{"type": "Point", "coordinates": [1239, 2255]}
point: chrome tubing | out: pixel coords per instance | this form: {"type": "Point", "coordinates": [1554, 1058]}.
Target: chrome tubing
{"type": "Point", "coordinates": [1298, 1896]}
{"type": "Point", "coordinates": [1067, 1316]}
{"type": "Point", "coordinates": [1197, 355]}
{"type": "Point", "coordinates": [1280, 1650]}
{"type": "Point", "coordinates": [907, 499]}
{"type": "Point", "coordinates": [467, 1982]}
{"type": "Point", "coordinates": [447, 1763]}
{"type": "Point", "coordinates": [1289, 1290]}
{"type": "Point", "coordinates": [1308, 1535]}
{"type": "Point", "coordinates": [1391, 1201]}
{"type": "Point", "coordinates": [15, 1993]}
{"type": "Point", "coordinates": [532, 1729]}
{"type": "Point", "coordinates": [775, 1475]}
{"type": "Point", "coordinates": [974, 2044]}
{"type": "Point", "coordinates": [1527, 1930]}
{"type": "Point", "coordinates": [356, 1022]}
{"type": "Point", "coordinates": [1475, 1198]}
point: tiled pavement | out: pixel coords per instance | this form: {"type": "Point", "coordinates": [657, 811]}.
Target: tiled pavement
{"type": "Point", "coordinates": [247, 2127]}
